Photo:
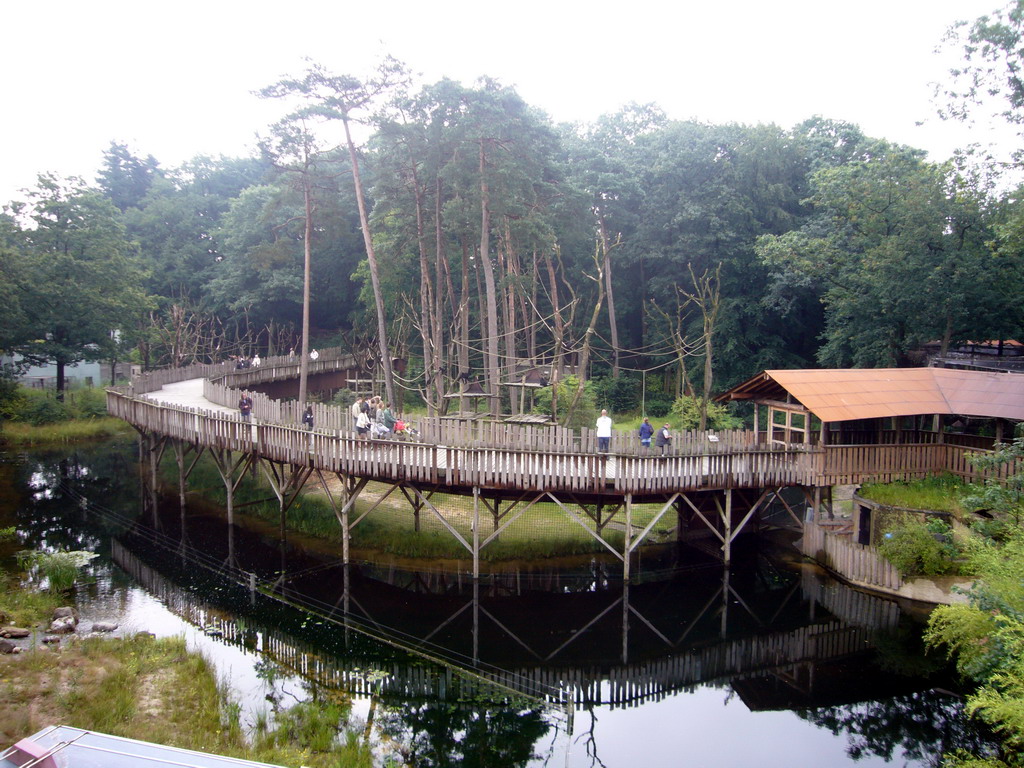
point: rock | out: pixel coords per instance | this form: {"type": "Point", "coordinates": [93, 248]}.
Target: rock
{"type": "Point", "coordinates": [66, 612]}
{"type": "Point", "coordinates": [51, 639]}
{"type": "Point", "coordinates": [14, 632]}
{"type": "Point", "coordinates": [103, 626]}
{"type": "Point", "coordinates": [62, 626]}
{"type": "Point", "coordinates": [6, 646]}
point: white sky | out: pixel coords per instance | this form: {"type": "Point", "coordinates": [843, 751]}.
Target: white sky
{"type": "Point", "coordinates": [175, 80]}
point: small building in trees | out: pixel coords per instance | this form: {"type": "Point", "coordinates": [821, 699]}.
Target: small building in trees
{"type": "Point", "coordinates": [883, 406]}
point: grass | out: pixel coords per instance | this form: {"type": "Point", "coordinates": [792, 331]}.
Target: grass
{"type": "Point", "coordinates": [543, 531]}
{"type": "Point", "coordinates": [24, 607]}
{"type": "Point", "coordinates": [156, 690]}
{"type": "Point", "coordinates": [21, 435]}
{"type": "Point", "coordinates": [940, 494]}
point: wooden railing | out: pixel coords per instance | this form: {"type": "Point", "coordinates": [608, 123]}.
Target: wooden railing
{"type": "Point", "coordinates": [855, 464]}
{"type": "Point", "coordinates": [855, 562]}
{"type": "Point", "coordinates": [467, 466]}
{"type": "Point", "coordinates": [527, 457]}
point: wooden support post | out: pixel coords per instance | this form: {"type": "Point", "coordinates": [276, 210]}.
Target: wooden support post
{"type": "Point", "coordinates": [724, 626]}
{"type": "Point", "coordinates": [629, 533]}
{"type": "Point", "coordinates": [727, 518]}
{"type": "Point", "coordinates": [476, 535]}
{"type": "Point", "coordinates": [179, 456]}
{"type": "Point", "coordinates": [625, 621]}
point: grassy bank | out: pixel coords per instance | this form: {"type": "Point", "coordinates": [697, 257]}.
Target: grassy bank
{"type": "Point", "coordinates": [19, 434]}
{"type": "Point", "coordinates": [940, 494]}
{"type": "Point", "coordinates": [542, 531]}
{"type": "Point", "coordinates": [159, 691]}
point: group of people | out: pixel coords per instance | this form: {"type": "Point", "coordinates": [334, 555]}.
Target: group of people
{"type": "Point", "coordinates": [662, 438]}
{"type": "Point", "coordinates": [372, 417]}
{"type": "Point", "coordinates": [242, 362]}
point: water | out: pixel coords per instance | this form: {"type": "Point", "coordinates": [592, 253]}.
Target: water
{"type": "Point", "coordinates": [768, 664]}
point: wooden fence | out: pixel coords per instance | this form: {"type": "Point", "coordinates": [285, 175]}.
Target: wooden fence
{"type": "Point", "coordinates": [490, 454]}
{"type": "Point", "coordinates": [855, 562]}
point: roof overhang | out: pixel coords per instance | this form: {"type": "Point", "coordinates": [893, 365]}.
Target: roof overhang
{"type": "Point", "coordinates": [847, 394]}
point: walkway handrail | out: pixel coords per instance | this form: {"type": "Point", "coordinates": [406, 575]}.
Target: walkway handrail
{"type": "Point", "coordinates": [499, 455]}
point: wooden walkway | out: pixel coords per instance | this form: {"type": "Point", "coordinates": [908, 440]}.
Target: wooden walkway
{"type": "Point", "coordinates": [506, 457]}
{"type": "Point", "coordinates": [511, 458]}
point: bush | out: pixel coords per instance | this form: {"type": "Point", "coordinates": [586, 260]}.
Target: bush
{"type": "Point", "coordinates": [12, 400]}
{"type": "Point", "coordinates": [87, 403]}
{"type": "Point", "coordinates": [343, 398]}
{"type": "Point", "coordinates": [658, 405]}
{"type": "Point", "coordinates": [621, 395]}
{"type": "Point", "coordinates": [586, 410]}
{"type": "Point", "coordinates": [41, 407]}
{"type": "Point", "coordinates": [920, 549]}
{"type": "Point", "coordinates": [687, 410]}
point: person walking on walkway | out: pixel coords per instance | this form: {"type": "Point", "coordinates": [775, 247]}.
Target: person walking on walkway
{"type": "Point", "coordinates": [604, 431]}
{"type": "Point", "coordinates": [663, 440]}
{"type": "Point", "coordinates": [646, 433]}
{"type": "Point", "coordinates": [363, 425]}
{"type": "Point", "coordinates": [245, 406]}
{"type": "Point", "coordinates": [357, 408]}
{"type": "Point", "coordinates": [307, 417]}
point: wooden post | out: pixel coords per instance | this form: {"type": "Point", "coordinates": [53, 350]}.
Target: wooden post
{"type": "Point", "coordinates": [625, 622]}
{"type": "Point", "coordinates": [628, 537]}
{"type": "Point", "coordinates": [476, 537]}
{"type": "Point", "coordinates": [727, 545]}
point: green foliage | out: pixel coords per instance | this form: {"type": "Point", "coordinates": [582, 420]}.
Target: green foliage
{"type": "Point", "coordinates": [11, 395]}
{"type": "Point", "coordinates": [586, 408]}
{"type": "Point", "coordinates": [619, 395]}
{"type": "Point", "coordinates": [343, 398]}
{"type": "Point", "coordinates": [986, 638]}
{"type": "Point", "coordinates": [920, 549]}
{"type": "Point", "coordinates": [658, 405]}
{"type": "Point", "coordinates": [686, 410]}
{"type": "Point", "coordinates": [60, 570]}
{"type": "Point", "coordinates": [939, 493]}
{"type": "Point", "coordinates": [1003, 498]}
{"type": "Point", "coordinates": [41, 407]}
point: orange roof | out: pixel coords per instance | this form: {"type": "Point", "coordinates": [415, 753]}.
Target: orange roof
{"type": "Point", "coordinates": [845, 394]}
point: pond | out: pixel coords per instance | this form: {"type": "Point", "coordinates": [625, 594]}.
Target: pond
{"type": "Point", "coordinates": [768, 663]}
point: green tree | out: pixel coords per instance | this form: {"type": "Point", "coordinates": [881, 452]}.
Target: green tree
{"type": "Point", "coordinates": [882, 226]}
{"type": "Point", "coordinates": [81, 283]}
{"type": "Point", "coordinates": [126, 179]}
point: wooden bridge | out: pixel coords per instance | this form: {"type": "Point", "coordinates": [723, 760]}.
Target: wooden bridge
{"type": "Point", "coordinates": [717, 483]}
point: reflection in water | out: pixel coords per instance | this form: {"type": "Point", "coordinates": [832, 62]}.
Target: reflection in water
{"type": "Point", "coordinates": [500, 669]}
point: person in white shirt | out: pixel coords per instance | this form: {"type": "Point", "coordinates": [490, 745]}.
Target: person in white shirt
{"type": "Point", "coordinates": [604, 431]}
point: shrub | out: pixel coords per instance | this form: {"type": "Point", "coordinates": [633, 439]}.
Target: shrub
{"type": "Point", "coordinates": [11, 397]}
{"type": "Point", "coordinates": [586, 410]}
{"type": "Point", "coordinates": [88, 403]}
{"type": "Point", "coordinates": [687, 410]}
{"type": "Point", "coordinates": [658, 405]}
{"type": "Point", "coordinates": [621, 394]}
{"type": "Point", "coordinates": [343, 398]}
{"type": "Point", "coordinates": [41, 407]}
{"type": "Point", "coordinates": [920, 549]}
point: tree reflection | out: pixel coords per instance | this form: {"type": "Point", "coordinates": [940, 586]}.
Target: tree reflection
{"type": "Point", "coordinates": [441, 734]}
{"type": "Point", "coordinates": [922, 726]}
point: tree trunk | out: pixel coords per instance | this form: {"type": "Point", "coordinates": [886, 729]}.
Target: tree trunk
{"type": "Point", "coordinates": [307, 251]}
{"type": "Point", "coordinates": [612, 323]}
{"type": "Point", "coordinates": [491, 346]}
{"type": "Point", "coordinates": [371, 258]}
